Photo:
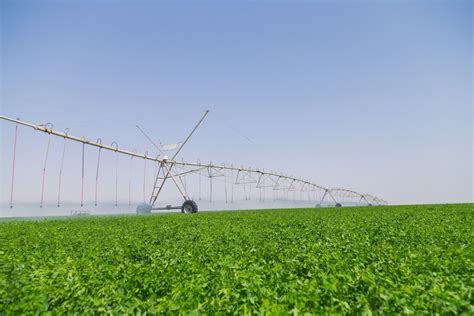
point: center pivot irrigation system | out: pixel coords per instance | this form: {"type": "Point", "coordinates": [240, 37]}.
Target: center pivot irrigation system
{"type": "Point", "coordinates": [171, 168]}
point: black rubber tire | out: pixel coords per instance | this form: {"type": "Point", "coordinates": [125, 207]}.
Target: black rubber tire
{"type": "Point", "coordinates": [189, 204]}
{"type": "Point", "coordinates": [338, 205]}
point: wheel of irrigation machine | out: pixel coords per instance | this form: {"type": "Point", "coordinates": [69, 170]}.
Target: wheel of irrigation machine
{"type": "Point", "coordinates": [338, 205]}
{"type": "Point", "coordinates": [189, 206]}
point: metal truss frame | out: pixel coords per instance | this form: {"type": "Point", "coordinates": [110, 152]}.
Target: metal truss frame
{"type": "Point", "coordinates": [168, 169]}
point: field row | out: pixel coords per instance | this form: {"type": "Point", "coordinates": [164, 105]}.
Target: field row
{"type": "Point", "coordinates": [405, 259]}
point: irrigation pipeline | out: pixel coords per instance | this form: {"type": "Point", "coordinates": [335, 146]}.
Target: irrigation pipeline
{"type": "Point", "coordinates": [198, 165]}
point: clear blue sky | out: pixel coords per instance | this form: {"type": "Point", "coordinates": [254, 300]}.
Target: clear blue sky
{"type": "Point", "coordinates": [374, 96]}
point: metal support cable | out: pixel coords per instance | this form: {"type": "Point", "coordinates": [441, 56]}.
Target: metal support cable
{"type": "Point", "coordinates": [144, 176]}
{"type": "Point", "coordinates": [199, 181]}
{"type": "Point", "coordinates": [210, 183]}
{"type": "Point", "coordinates": [61, 168]}
{"type": "Point", "coordinates": [169, 174]}
{"type": "Point", "coordinates": [130, 182]}
{"type": "Point", "coordinates": [232, 185]}
{"type": "Point", "coordinates": [322, 198]}
{"type": "Point", "coordinates": [184, 193]}
{"type": "Point", "coordinates": [329, 192]}
{"type": "Point", "coordinates": [225, 188]}
{"type": "Point", "coordinates": [185, 184]}
{"type": "Point", "coordinates": [190, 134]}
{"type": "Point", "coordinates": [97, 173]}
{"type": "Point", "coordinates": [45, 163]}
{"type": "Point", "coordinates": [13, 165]}
{"type": "Point", "coordinates": [155, 172]}
{"type": "Point", "coordinates": [82, 176]}
{"type": "Point", "coordinates": [114, 144]}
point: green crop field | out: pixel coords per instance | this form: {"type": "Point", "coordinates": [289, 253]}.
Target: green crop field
{"type": "Point", "coordinates": [394, 259]}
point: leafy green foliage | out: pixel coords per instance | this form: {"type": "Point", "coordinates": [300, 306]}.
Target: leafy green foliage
{"type": "Point", "coordinates": [404, 259]}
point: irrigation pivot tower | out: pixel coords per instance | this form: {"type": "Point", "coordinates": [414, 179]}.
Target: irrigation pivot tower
{"type": "Point", "coordinates": [178, 170]}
